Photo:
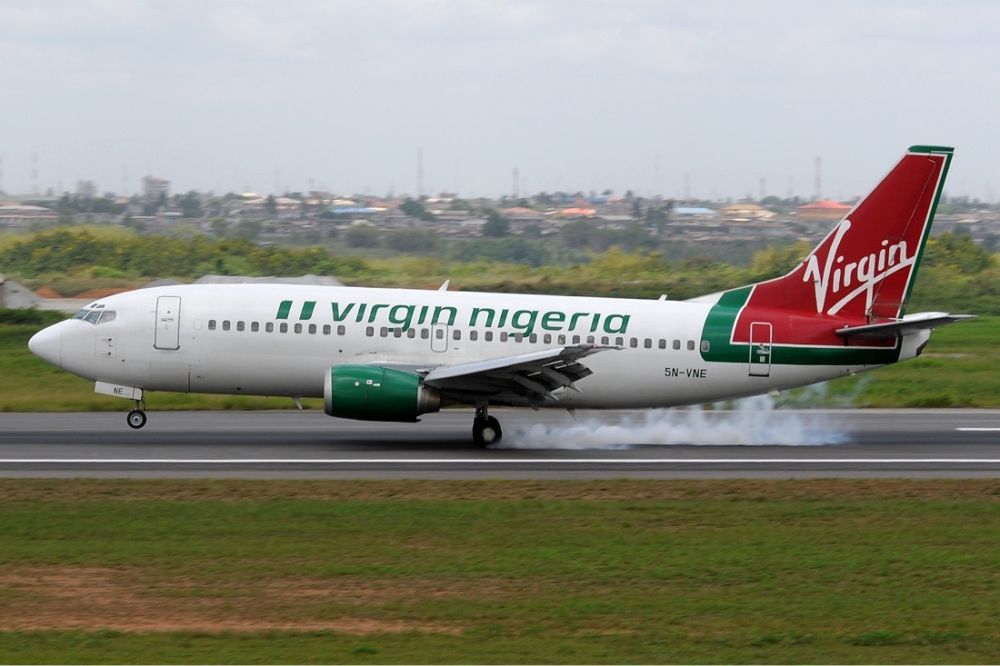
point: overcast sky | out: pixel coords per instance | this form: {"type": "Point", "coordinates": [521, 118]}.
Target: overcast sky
{"type": "Point", "coordinates": [579, 94]}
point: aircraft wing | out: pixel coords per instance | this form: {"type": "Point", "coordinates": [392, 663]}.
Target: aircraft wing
{"type": "Point", "coordinates": [522, 378]}
{"type": "Point", "coordinates": [909, 323]}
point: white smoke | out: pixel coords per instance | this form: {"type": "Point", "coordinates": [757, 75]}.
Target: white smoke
{"type": "Point", "coordinates": [749, 422]}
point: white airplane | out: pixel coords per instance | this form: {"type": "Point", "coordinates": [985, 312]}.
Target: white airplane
{"type": "Point", "coordinates": [394, 354]}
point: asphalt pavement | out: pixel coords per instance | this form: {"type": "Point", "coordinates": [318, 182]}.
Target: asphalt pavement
{"type": "Point", "coordinates": [753, 442]}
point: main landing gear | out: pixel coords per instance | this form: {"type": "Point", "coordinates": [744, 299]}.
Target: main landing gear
{"type": "Point", "coordinates": [137, 417]}
{"type": "Point", "coordinates": [485, 429]}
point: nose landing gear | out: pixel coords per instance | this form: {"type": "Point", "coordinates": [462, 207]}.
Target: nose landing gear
{"type": "Point", "coordinates": [485, 429]}
{"type": "Point", "coordinates": [137, 417]}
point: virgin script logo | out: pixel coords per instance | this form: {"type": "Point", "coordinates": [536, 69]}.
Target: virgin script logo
{"type": "Point", "coordinates": [854, 277]}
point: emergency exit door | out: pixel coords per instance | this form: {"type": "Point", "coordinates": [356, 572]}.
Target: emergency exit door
{"type": "Point", "coordinates": [760, 349]}
{"type": "Point", "coordinates": [168, 314]}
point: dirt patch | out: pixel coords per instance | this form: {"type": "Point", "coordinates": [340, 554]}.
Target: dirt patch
{"type": "Point", "coordinates": [383, 591]}
{"type": "Point", "coordinates": [122, 490]}
{"type": "Point", "coordinates": [94, 598]}
{"type": "Point", "coordinates": [47, 292]}
{"type": "Point", "coordinates": [94, 294]}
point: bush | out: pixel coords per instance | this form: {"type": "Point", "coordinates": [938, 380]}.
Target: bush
{"type": "Point", "coordinates": [29, 316]}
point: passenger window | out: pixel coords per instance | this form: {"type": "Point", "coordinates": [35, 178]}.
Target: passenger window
{"type": "Point", "coordinates": [547, 338]}
{"type": "Point", "coordinates": [620, 341]}
{"type": "Point", "coordinates": [533, 338]}
{"type": "Point", "coordinates": [312, 329]}
{"type": "Point", "coordinates": [456, 335]}
{"type": "Point", "coordinates": [662, 344]}
{"type": "Point", "coordinates": [211, 324]}
{"type": "Point", "coordinates": [439, 333]}
{"type": "Point", "coordinates": [677, 344]}
{"type": "Point", "coordinates": [473, 335]}
{"type": "Point", "coordinates": [489, 336]}
{"type": "Point", "coordinates": [269, 327]}
{"type": "Point", "coordinates": [370, 331]}
{"type": "Point", "coordinates": [283, 328]}
{"type": "Point", "coordinates": [424, 334]}
{"type": "Point", "coordinates": [562, 339]}
{"type": "Point", "coordinates": [633, 342]}
{"type": "Point", "coordinates": [327, 329]}
{"type": "Point", "coordinates": [411, 333]}
{"type": "Point", "coordinates": [240, 326]}
{"type": "Point", "coordinates": [341, 330]}
{"type": "Point", "coordinates": [647, 343]}
{"type": "Point", "coordinates": [690, 345]}
{"type": "Point", "coordinates": [254, 326]}
{"type": "Point", "coordinates": [383, 331]}
{"type": "Point", "coordinates": [576, 339]}
{"type": "Point", "coordinates": [605, 340]}
{"type": "Point", "coordinates": [503, 336]}
{"type": "Point", "coordinates": [397, 332]}
{"type": "Point", "coordinates": [225, 325]}
{"type": "Point", "coordinates": [590, 339]}
{"type": "Point", "coordinates": [705, 345]}
{"type": "Point", "coordinates": [298, 328]}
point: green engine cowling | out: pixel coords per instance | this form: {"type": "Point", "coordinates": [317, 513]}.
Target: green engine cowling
{"type": "Point", "coordinates": [371, 393]}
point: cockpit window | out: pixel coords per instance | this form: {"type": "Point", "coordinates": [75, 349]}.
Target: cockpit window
{"type": "Point", "coordinates": [96, 316]}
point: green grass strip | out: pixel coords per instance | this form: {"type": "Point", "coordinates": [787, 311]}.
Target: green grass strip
{"type": "Point", "coordinates": [499, 572]}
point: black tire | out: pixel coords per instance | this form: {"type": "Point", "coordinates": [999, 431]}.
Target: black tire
{"type": "Point", "coordinates": [136, 419]}
{"type": "Point", "coordinates": [486, 431]}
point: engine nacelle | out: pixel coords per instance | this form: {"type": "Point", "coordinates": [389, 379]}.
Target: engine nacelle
{"type": "Point", "coordinates": [371, 393]}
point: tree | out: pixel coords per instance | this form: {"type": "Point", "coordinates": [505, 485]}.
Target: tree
{"type": "Point", "coordinates": [416, 209]}
{"type": "Point", "coordinates": [190, 205]}
{"type": "Point", "coordinates": [219, 227]}
{"type": "Point", "coordinates": [362, 235]}
{"type": "Point", "coordinates": [271, 205]}
{"type": "Point", "coordinates": [497, 226]}
{"type": "Point", "coordinates": [412, 240]}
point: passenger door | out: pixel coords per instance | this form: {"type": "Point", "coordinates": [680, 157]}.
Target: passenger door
{"type": "Point", "coordinates": [168, 331]}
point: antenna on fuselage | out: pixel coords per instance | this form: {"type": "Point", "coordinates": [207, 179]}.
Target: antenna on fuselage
{"type": "Point", "coordinates": [444, 285]}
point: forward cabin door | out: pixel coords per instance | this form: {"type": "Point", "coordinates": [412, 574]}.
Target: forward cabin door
{"type": "Point", "coordinates": [168, 332]}
{"type": "Point", "coordinates": [760, 349]}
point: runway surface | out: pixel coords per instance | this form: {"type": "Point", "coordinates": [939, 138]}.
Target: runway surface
{"type": "Point", "coordinates": [750, 443]}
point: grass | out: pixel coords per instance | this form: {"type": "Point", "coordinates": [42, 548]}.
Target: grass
{"type": "Point", "coordinates": [956, 370]}
{"type": "Point", "coordinates": [824, 571]}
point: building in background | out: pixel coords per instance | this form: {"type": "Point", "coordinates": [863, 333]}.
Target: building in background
{"type": "Point", "coordinates": [824, 210]}
{"type": "Point", "coordinates": [153, 188]}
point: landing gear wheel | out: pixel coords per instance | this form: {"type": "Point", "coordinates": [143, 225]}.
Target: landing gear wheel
{"type": "Point", "coordinates": [486, 431]}
{"type": "Point", "coordinates": [136, 419]}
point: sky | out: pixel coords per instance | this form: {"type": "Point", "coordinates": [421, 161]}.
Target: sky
{"type": "Point", "coordinates": [577, 94]}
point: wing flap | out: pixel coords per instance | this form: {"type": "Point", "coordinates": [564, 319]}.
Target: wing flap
{"type": "Point", "coordinates": [530, 377]}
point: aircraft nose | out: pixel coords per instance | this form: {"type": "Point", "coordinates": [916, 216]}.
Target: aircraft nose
{"type": "Point", "coordinates": [47, 345]}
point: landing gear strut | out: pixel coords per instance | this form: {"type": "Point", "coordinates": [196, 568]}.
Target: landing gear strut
{"type": "Point", "coordinates": [137, 417]}
{"type": "Point", "coordinates": [485, 429]}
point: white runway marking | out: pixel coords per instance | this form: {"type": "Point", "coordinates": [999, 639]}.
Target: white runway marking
{"type": "Point", "coordinates": [499, 461]}
{"type": "Point", "coordinates": [970, 429]}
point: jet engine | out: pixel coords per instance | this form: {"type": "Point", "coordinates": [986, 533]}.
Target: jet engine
{"type": "Point", "coordinates": [372, 393]}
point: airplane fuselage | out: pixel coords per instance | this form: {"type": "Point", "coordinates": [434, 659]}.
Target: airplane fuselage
{"type": "Point", "coordinates": [280, 340]}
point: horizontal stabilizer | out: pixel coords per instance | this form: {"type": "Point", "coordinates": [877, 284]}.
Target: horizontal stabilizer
{"type": "Point", "coordinates": [915, 322]}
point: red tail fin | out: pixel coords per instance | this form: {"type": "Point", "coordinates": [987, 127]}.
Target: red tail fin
{"type": "Point", "coordinates": [864, 268]}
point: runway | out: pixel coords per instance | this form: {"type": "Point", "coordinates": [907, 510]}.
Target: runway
{"type": "Point", "coordinates": [538, 445]}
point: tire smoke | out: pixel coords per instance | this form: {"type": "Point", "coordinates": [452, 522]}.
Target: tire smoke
{"type": "Point", "coordinates": [752, 421]}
